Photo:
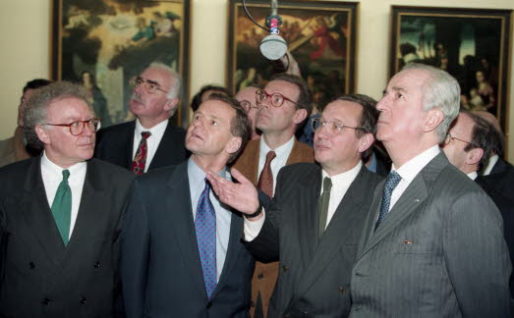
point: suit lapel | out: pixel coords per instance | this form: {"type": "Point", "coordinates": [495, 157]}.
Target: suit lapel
{"type": "Point", "coordinates": [38, 215]}
{"type": "Point", "coordinates": [91, 216]}
{"type": "Point", "coordinates": [345, 216]}
{"type": "Point", "coordinates": [413, 197]}
{"type": "Point", "coordinates": [163, 153]}
{"type": "Point", "coordinates": [300, 153]}
{"type": "Point", "coordinates": [179, 208]}
{"type": "Point", "coordinates": [129, 145]}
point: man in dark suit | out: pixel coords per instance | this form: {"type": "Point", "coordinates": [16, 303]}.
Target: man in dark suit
{"type": "Point", "coordinates": [316, 217]}
{"type": "Point", "coordinates": [283, 105]}
{"type": "Point", "coordinates": [468, 147]}
{"type": "Point", "coordinates": [432, 245]}
{"type": "Point", "coordinates": [60, 215]}
{"type": "Point", "coordinates": [182, 254]}
{"type": "Point", "coordinates": [151, 141]}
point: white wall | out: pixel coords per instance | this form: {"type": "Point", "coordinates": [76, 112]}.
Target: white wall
{"type": "Point", "coordinates": [25, 30]}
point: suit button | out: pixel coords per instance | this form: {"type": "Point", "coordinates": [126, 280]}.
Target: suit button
{"type": "Point", "coordinates": [209, 305]}
{"type": "Point", "coordinates": [32, 265]}
{"type": "Point", "coordinates": [97, 265]}
{"type": "Point", "coordinates": [359, 274]}
{"type": "Point", "coordinates": [342, 290]}
{"type": "Point", "coordinates": [46, 301]}
{"type": "Point", "coordinates": [285, 268]}
{"type": "Point", "coordinates": [83, 300]}
{"type": "Point", "coordinates": [260, 276]}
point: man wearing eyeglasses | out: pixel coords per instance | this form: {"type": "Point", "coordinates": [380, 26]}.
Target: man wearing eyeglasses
{"type": "Point", "coordinates": [151, 141]}
{"type": "Point", "coordinates": [283, 105]}
{"type": "Point", "coordinates": [248, 99]}
{"type": "Point", "coordinates": [316, 218]}
{"type": "Point", "coordinates": [60, 214]}
{"type": "Point", "coordinates": [468, 147]}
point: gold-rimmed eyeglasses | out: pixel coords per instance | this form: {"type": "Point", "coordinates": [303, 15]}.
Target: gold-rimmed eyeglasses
{"type": "Point", "coordinates": [333, 126]}
{"type": "Point", "coordinates": [77, 127]}
{"type": "Point", "coordinates": [150, 86]}
{"type": "Point", "coordinates": [450, 138]}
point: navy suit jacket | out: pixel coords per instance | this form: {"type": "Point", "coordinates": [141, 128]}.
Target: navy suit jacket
{"type": "Point", "coordinates": [160, 264]}
{"type": "Point", "coordinates": [114, 144]}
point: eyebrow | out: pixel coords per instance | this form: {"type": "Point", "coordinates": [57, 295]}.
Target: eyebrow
{"type": "Point", "coordinates": [150, 81]}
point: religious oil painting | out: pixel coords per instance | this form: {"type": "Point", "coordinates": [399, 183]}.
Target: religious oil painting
{"type": "Point", "coordinates": [320, 35]}
{"type": "Point", "coordinates": [103, 44]}
{"type": "Point", "coordinates": [470, 44]}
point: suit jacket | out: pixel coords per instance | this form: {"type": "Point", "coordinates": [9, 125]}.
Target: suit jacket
{"type": "Point", "coordinates": [14, 149]}
{"type": "Point", "coordinates": [41, 277]}
{"type": "Point", "coordinates": [248, 162]}
{"type": "Point", "coordinates": [314, 278]}
{"type": "Point", "coordinates": [160, 265]}
{"type": "Point", "coordinates": [115, 145]}
{"type": "Point", "coordinates": [439, 252]}
{"type": "Point", "coordinates": [501, 179]}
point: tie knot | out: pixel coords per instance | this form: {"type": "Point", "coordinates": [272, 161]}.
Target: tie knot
{"type": "Point", "coordinates": [327, 184]}
{"type": "Point", "coordinates": [270, 156]}
{"type": "Point", "coordinates": [392, 180]}
{"type": "Point", "coordinates": [145, 134]}
{"type": "Point", "coordinates": [65, 174]}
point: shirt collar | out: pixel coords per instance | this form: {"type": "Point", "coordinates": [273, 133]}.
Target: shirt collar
{"type": "Point", "coordinates": [344, 178]}
{"type": "Point", "coordinates": [280, 150]}
{"type": "Point", "coordinates": [409, 170]}
{"type": "Point", "coordinates": [472, 175]}
{"type": "Point", "coordinates": [197, 175]}
{"type": "Point", "coordinates": [155, 130]}
{"type": "Point", "coordinates": [52, 168]}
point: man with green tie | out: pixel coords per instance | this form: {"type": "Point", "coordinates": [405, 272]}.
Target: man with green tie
{"type": "Point", "coordinates": [60, 215]}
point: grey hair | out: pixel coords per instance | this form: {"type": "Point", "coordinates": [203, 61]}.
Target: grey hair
{"type": "Point", "coordinates": [37, 106]}
{"type": "Point", "coordinates": [441, 91]}
{"type": "Point", "coordinates": [176, 86]}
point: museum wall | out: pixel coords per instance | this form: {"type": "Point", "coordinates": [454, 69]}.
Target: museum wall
{"type": "Point", "coordinates": [25, 29]}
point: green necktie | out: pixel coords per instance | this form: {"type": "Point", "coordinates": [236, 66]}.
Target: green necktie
{"type": "Point", "coordinates": [61, 207]}
{"type": "Point", "coordinates": [323, 205]}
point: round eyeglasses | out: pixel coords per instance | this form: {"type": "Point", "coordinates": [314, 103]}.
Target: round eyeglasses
{"type": "Point", "coordinates": [77, 127]}
{"type": "Point", "coordinates": [276, 99]}
{"type": "Point", "coordinates": [450, 138]}
{"type": "Point", "coordinates": [334, 126]}
{"type": "Point", "coordinates": [150, 86]}
{"type": "Point", "coordinates": [247, 105]}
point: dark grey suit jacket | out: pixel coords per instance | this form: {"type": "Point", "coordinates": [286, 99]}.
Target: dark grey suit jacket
{"type": "Point", "coordinates": [160, 264]}
{"type": "Point", "coordinates": [440, 252]}
{"type": "Point", "coordinates": [114, 144]}
{"type": "Point", "coordinates": [314, 277]}
{"type": "Point", "coordinates": [40, 276]}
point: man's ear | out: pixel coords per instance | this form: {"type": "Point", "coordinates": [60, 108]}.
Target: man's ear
{"type": "Point", "coordinates": [42, 134]}
{"type": "Point", "coordinates": [433, 119]}
{"type": "Point", "coordinates": [366, 141]}
{"type": "Point", "coordinates": [171, 105]}
{"type": "Point", "coordinates": [474, 156]}
{"type": "Point", "coordinates": [299, 115]}
{"type": "Point", "coordinates": [233, 145]}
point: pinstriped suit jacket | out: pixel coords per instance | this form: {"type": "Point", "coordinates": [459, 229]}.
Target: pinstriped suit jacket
{"type": "Point", "coordinates": [439, 253]}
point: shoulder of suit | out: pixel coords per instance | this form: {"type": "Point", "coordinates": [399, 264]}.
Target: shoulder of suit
{"type": "Point", "coordinates": [160, 175]}
{"type": "Point", "coordinates": [300, 169]}
{"type": "Point", "coordinates": [17, 167]}
{"type": "Point", "coordinates": [116, 129]}
{"type": "Point", "coordinates": [110, 169]}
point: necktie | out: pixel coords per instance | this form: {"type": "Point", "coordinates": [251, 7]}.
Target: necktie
{"type": "Point", "coordinates": [392, 180]}
{"type": "Point", "coordinates": [138, 164]}
{"type": "Point", "coordinates": [323, 204]}
{"type": "Point", "coordinates": [205, 226]}
{"type": "Point", "coordinates": [265, 183]}
{"type": "Point", "coordinates": [61, 207]}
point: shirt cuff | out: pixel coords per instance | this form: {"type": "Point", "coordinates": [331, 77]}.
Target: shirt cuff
{"type": "Point", "coordinates": [253, 228]}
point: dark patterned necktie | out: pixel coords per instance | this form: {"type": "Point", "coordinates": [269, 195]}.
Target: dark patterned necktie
{"type": "Point", "coordinates": [392, 180]}
{"type": "Point", "coordinates": [61, 207]}
{"type": "Point", "coordinates": [265, 183]}
{"type": "Point", "coordinates": [139, 162]}
{"type": "Point", "coordinates": [205, 226]}
{"type": "Point", "coordinates": [323, 205]}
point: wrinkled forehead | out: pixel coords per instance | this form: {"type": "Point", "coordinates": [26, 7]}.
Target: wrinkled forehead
{"type": "Point", "coordinates": [157, 75]}
{"type": "Point", "coordinates": [344, 111]}
{"type": "Point", "coordinates": [246, 94]}
{"type": "Point", "coordinates": [69, 108]}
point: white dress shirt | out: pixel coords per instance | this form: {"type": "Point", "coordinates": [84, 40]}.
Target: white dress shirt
{"type": "Point", "coordinates": [340, 185]}
{"type": "Point", "coordinates": [472, 175]}
{"type": "Point", "coordinates": [278, 162]}
{"type": "Point", "coordinates": [409, 170]}
{"type": "Point", "coordinates": [152, 142]}
{"type": "Point", "coordinates": [52, 177]}
{"type": "Point", "coordinates": [490, 164]}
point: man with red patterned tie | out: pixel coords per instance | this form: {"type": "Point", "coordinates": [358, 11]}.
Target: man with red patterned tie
{"type": "Point", "coordinates": [151, 141]}
{"type": "Point", "coordinates": [284, 104]}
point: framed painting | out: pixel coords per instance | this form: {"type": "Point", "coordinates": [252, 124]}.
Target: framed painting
{"type": "Point", "coordinates": [321, 35]}
{"type": "Point", "coordinates": [103, 44]}
{"type": "Point", "coordinates": [471, 44]}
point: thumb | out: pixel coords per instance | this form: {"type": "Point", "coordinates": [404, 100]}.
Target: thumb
{"type": "Point", "coordinates": [239, 176]}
